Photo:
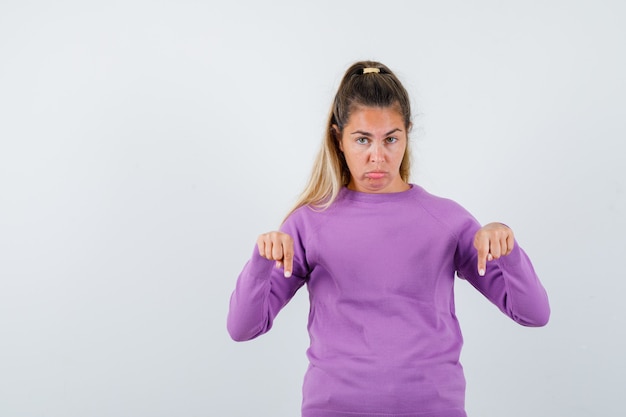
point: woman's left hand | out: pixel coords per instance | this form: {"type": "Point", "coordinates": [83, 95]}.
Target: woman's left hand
{"type": "Point", "coordinates": [492, 241]}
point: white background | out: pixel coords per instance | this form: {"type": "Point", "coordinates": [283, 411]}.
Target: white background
{"type": "Point", "coordinates": [145, 144]}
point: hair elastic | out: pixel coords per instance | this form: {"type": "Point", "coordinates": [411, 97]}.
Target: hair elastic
{"type": "Point", "coordinates": [371, 70]}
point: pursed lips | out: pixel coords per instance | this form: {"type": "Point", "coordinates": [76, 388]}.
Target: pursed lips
{"type": "Point", "coordinates": [375, 175]}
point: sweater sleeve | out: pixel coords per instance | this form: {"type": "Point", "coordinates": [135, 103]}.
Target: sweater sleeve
{"type": "Point", "coordinates": [262, 291]}
{"type": "Point", "coordinates": [510, 282]}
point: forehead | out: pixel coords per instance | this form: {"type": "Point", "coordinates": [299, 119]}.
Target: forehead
{"type": "Point", "coordinates": [375, 117]}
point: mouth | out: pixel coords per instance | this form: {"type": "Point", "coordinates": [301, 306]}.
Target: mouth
{"type": "Point", "coordinates": [375, 175]}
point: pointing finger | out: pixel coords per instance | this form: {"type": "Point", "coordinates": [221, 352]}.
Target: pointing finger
{"type": "Point", "coordinates": [481, 243]}
{"type": "Point", "coordinates": [288, 257]}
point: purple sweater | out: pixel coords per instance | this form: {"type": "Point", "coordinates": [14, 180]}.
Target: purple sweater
{"type": "Point", "coordinates": [385, 340]}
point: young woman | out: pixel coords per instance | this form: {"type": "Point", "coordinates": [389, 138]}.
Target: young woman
{"type": "Point", "coordinates": [379, 256]}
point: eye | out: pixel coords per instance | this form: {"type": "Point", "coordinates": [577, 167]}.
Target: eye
{"type": "Point", "coordinates": [362, 141]}
{"type": "Point", "coordinates": [391, 140]}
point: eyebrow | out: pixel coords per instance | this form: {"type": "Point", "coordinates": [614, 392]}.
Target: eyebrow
{"type": "Point", "coordinates": [361, 132]}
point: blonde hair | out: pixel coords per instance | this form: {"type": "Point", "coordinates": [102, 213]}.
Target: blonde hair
{"type": "Point", "coordinates": [365, 83]}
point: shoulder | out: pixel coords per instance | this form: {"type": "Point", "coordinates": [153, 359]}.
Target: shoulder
{"type": "Point", "coordinates": [301, 219]}
{"type": "Point", "coordinates": [438, 203]}
{"type": "Point", "coordinates": [445, 210]}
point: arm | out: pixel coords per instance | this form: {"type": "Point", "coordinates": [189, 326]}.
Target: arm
{"type": "Point", "coordinates": [509, 279]}
{"type": "Point", "coordinates": [265, 285]}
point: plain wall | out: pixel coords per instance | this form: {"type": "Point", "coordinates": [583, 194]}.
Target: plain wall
{"type": "Point", "coordinates": [145, 144]}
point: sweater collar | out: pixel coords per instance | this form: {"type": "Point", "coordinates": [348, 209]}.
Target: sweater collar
{"type": "Point", "coordinates": [348, 194]}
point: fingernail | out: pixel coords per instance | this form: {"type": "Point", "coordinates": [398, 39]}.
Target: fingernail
{"type": "Point", "coordinates": [481, 272]}
{"type": "Point", "coordinates": [287, 274]}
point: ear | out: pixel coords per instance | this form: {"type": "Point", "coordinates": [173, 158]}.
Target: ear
{"type": "Point", "coordinates": [337, 136]}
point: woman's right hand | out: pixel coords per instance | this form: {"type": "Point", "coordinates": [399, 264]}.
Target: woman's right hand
{"type": "Point", "coordinates": [277, 246]}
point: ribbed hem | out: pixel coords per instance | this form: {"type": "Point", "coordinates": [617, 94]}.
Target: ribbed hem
{"type": "Point", "coordinates": [329, 413]}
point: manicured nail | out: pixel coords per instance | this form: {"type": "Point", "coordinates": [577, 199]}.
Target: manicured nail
{"type": "Point", "coordinates": [481, 272]}
{"type": "Point", "coordinates": [287, 274]}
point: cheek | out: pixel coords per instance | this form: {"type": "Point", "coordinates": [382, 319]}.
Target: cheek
{"type": "Point", "coordinates": [400, 153]}
{"type": "Point", "coordinates": [350, 159]}
{"type": "Point", "coordinates": [352, 152]}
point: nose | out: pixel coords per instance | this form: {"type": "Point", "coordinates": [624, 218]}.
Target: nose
{"type": "Point", "coordinates": [377, 154]}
